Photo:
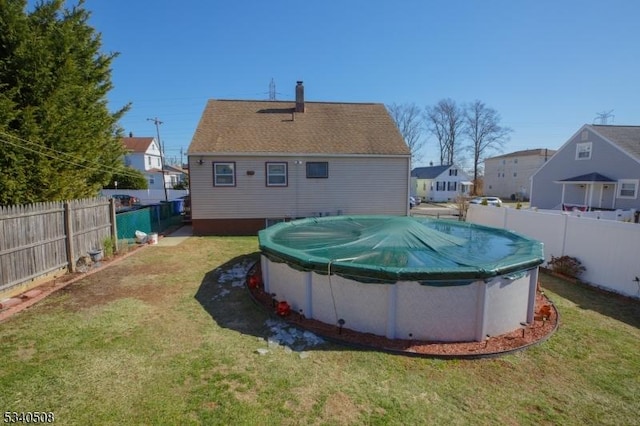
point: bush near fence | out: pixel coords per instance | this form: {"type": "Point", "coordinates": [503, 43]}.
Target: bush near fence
{"type": "Point", "coordinates": [608, 249]}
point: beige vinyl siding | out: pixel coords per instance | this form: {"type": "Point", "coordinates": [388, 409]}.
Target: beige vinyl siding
{"type": "Point", "coordinates": [356, 185]}
{"type": "Point", "coordinates": [517, 173]}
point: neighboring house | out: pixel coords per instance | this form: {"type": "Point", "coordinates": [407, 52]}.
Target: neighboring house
{"type": "Point", "coordinates": [143, 154]}
{"type": "Point", "coordinates": [175, 175]}
{"type": "Point", "coordinates": [508, 176]}
{"type": "Point", "coordinates": [440, 183]}
{"type": "Point", "coordinates": [598, 167]}
{"type": "Point", "coordinates": [253, 163]}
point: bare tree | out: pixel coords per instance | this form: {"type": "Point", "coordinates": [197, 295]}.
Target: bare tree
{"type": "Point", "coordinates": [482, 127]}
{"type": "Point", "coordinates": [409, 122]}
{"type": "Point", "coordinates": [446, 122]}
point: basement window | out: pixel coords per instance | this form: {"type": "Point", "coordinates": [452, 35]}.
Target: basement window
{"type": "Point", "coordinates": [224, 174]}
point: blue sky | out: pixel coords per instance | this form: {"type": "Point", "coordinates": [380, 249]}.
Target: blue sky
{"type": "Point", "coordinates": [546, 66]}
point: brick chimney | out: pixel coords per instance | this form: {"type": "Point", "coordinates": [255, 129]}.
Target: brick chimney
{"type": "Point", "coordinates": [299, 97]}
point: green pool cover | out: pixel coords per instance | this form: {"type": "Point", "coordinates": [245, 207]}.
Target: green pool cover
{"type": "Point", "coordinates": [400, 248]}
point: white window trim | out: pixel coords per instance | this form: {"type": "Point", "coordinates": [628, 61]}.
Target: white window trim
{"type": "Point", "coordinates": [232, 166]}
{"type": "Point", "coordinates": [635, 183]}
{"type": "Point", "coordinates": [584, 147]}
{"type": "Point", "coordinates": [286, 174]}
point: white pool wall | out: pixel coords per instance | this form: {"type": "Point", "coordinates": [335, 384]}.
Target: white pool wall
{"type": "Point", "coordinates": [407, 310]}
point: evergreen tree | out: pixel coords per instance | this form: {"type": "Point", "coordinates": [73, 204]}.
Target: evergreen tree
{"type": "Point", "coordinates": [58, 139]}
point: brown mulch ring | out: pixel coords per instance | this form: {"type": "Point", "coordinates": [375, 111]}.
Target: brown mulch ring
{"type": "Point", "coordinates": [545, 323]}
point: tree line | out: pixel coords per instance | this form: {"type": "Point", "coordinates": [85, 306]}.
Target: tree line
{"type": "Point", "coordinates": [472, 128]}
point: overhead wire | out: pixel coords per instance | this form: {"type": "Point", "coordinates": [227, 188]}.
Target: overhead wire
{"type": "Point", "coordinates": [76, 161]}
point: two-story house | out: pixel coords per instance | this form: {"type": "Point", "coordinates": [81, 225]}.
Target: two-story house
{"type": "Point", "coordinates": [143, 154]}
{"type": "Point", "coordinates": [440, 183]}
{"type": "Point", "coordinates": [508, 176]}
{"type": "Point", "coordinates": [598, 167]}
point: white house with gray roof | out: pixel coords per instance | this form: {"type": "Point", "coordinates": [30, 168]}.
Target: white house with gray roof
{"type": "Point", "coordinates": [597, 168]}
{"type": "Point", "coordinates": [440, 183]}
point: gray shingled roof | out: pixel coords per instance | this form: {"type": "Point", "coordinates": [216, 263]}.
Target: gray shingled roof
{"type": "Point", "coordinates": [626, 137]}
{"type": "Point", "coordinates": [537, 151]}
{"type": "Point", "coordinates": [267, 127]}
{"type": "Point", "coordinates": [589, 177]}
{"type": "Point", "coordinates": [428, 172]}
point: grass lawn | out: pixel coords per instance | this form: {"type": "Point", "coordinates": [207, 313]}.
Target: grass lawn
{"type": "Point", "coordinates": [162, 337]}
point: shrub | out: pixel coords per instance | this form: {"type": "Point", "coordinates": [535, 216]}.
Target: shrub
{"type": "Point", "coordinates": [567, 266]}
{"type": "Point", "coordinates": [109, 247]}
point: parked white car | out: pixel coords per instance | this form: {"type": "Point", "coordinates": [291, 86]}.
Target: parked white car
{"type": "Point", "coordinates": [492, 201]}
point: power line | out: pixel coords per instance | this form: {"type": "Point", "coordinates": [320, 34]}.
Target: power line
{"type": "Point", "coordinates": [58, 155]}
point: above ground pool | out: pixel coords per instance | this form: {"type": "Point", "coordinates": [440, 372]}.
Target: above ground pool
{"type": "Point", "coordinates": [403, 277]}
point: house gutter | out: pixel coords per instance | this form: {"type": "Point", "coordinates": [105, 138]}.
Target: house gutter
{"type": "Point", "coordinates": [290, 154]}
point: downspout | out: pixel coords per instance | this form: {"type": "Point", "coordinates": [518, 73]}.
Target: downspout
{"type": "Point", "coordinates": [406, 198]}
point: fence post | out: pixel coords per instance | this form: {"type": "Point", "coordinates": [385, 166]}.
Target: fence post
{"type": "Point", "coordinates": [114, 225]}
{"type": "Point", "coordinates": [68, 230]}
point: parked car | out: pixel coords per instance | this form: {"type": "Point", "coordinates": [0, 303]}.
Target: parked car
{"type": "Point", "coordinates": [492, 201]}
{"type": "Point", "coordinates": [124, 200]}
{"type": "Point", "coordinates": [412, 202]}
{"type": "Point", "coordinates": [417, 199]}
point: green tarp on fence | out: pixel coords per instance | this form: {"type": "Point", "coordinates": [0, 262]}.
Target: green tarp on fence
{"type": "Point", "coordinates": [153, 218]}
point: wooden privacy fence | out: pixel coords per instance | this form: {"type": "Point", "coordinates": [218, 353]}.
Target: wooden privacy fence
{"type": "Point", "coordinates": [38, 239]}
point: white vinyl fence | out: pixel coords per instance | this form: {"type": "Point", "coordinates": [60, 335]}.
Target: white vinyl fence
{"type": "Point", "coordinates": [147, 196]}
{"type": "Point", "coordinates": [608, 249]}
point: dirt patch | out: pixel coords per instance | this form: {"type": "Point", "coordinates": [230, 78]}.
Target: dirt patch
{"type": "Point", "coordinates": [545, 323]}
{"type": "Point", "coordinates": [126, 281]}
{"type": "Point", "coordinates": [77, 283]}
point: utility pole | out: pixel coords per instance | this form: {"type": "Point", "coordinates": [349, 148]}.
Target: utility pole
{"type": "Point", "coordinates": [164, 181]}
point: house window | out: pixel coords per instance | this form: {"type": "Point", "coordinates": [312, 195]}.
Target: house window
{"type": "Point", "coordinates": [515, 161]}
{"type": "Point", "coordinates": [628, 188]}
{"type": "Point", "coordinates": [149, 160]}
{"type": "Point", "coordinates": [451, 186]}
{"type": "Point", "coordinates": [583, 151]}
{"type": "Point", "coordinates": [224, 174]}
{"type": "Point", "coordinates": [453, 172]}
{"type": "Point", "coordinates": [317, 169]}
{"type": "Point", "coordinates": [515, 174]}
{"type": "Point", "coordinates": [276, 174]}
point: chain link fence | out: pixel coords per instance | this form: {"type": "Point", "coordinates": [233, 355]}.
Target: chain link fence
{"type": "Point", "coordinates": [148, 219]}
